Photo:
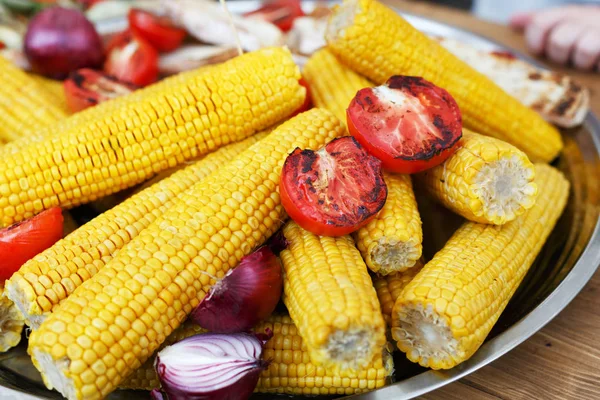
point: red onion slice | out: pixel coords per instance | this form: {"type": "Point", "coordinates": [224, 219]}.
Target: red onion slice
{"type": "Point", "coordinates": [211, 366]}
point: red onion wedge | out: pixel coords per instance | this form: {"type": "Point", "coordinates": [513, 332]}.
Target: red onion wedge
{"type": "Point", "coordinates": [211, 366]}
{"type": "Point", "coordinates": [245, 296]}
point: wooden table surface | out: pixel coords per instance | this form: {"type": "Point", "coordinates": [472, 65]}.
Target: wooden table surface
{"type": "Point", "coordinates": [562, 361]}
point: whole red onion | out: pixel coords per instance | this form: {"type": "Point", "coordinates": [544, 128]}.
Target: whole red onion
{"type": "Point", "coordinates": [61, 40]}
{"type": "Point", "coordinates": [245, 296]}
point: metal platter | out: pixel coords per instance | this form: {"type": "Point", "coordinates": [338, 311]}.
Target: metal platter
{"type": "Point", "coordinates": [565, 265]}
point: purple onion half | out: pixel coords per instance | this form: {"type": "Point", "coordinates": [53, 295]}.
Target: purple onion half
{"type": "Point", "coordinates": [211, 366]}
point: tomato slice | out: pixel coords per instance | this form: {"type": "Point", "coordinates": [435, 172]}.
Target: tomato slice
{"type": "Point", "coordinates": [23, 240]}
{"type": "Point", "coordinates": [409, 123]}
{"type": "Point", "coordinates": [307, 100]}
{"type": "Point", "coordinates": [85, 88]}
{"type": "Point", "coordinates": [158, 31]}
{"type": "Point", "coordinates": [332, 191]}
{"type": "Point", "coordinates": [131, 59]}
{"type": "Point", "coordinates": [281, 13]}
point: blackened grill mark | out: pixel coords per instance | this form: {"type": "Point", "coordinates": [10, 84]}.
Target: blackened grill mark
{"type": "Point", "coordinates": [563, 106]}
{"type": "Point", "coordinates": [78, 79]}
{"type": "Point", "coordinates": [308, 159]}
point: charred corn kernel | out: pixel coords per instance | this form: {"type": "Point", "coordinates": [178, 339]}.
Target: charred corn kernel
{"type": "Point", "coordinates": [376, 42]}
{"type": "Point", "coordinates": [486, 180]}
{"type": "Point", "coordinates": [290, 370]}
{"type": "Point", "coordinates": [79, 256]}
{"type": "Point", "coordinates": [11, 323]}
{"type": "Point", "coordinates": [24, 104]}
{"type": "Point", "coordinates": [156, 280]}
{"type": "Point", "coordinates": [392, 241]}
{"type": "Point", "coordinates": [444, 314]}
{"type": "Point", "coordinates": [122, 142]}
{"type": "Point", "coordinates": [329, 294]}
{"type": "Point", "coordinates": [54, 92]}
{"type": "Point", "coordinates": [332, 84]}
{"type": "Point", "coordinates": [390, 286]}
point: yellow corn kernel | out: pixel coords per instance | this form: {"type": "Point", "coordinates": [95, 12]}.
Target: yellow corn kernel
{"type": "Point", "coordinates": [329, 294]}
{"type": "Point", "coordinates": [11, 323]}
{"type": "Point", "coordinates": [376, 42]}
{"type": "Point", "coordinates": [290, 370]}
{"type": "Point", "coordinates": [94, 244]}
{"type": "Point", "coordinates": [445, 313]}
{"type": "Point", "coordinates": [332, 84]}
{"type": "Point", "coordinates": [146, 291]}
{"type": "Point", "coordinates": [54, 91]}
{"type": "Point", "coordinates": [390, 286]}
{"type": "Point", "coordinates": [122, 142]}
{"type": "Point", "coordinates": [25, 106]}
{"type": "Point", "coordinates": [486, 180]}
{"type": "Point", "coordinates": [392, 241]}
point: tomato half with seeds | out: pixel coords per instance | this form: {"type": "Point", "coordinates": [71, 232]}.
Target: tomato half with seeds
{"type": "Point", "coordinates": [85, 88]}
{"type": "Point", "coordinates": [332, 191]}
{"type": "Point", "coordinates": [410, 124]}
{"type": "Point", "coordinates": [158, 31]}
{"type": "Point", "coordinates": [130, 58]}
{"type": "Point", "coordinates": [24, 240]}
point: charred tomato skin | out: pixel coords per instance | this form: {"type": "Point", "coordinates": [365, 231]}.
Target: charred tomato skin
{"type": "Point", "coordinates": [423, 133]}
{"type": "Point", "coordinates": [347, 198]}
{"type": "Point", "coordinates": [86, 87]}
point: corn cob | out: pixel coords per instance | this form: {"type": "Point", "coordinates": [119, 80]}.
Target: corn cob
{"type": "Point", "coordinates": [376, 42]}
{"type": "Point", "coordinates": [122, 142]}
{"type": "Point", "coordinates": [390, 286]}
{"type": "Point", "coordinates": [290, 371]}
{"type": "Point", "coordinates": [332, 84]}
{"type": "Point", "coordinates": [330, 297]}
{"type": "Point", "coordinates": [486, 180]}
{"type": "Point", "coordinates": [392, 242]}
{"type": "Point", "coordinates": [43, 282]}
{"type": "Point", "coordinates": [144, 377]}
{"type": "Point", "coordinates": [445, 313]}
{"type": "Point", "coordinates": [54, 92]}
{"type": "Point", "coordinates": [24, 105]}
{"type": "Point", "coordinates": [11, 323]}
{"type": "Point", "coordinates": [117, 319]}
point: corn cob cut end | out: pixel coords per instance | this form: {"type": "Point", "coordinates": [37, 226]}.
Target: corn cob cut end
{"type": "Point", "coordinates": [11, 324]}
{"type": "Point", "coordinates": [341, 18]}
{"type": "Point", "coordinates": [389, 257]}
{"type": "Point", "coordinates": [23, 296]}
{"type": "Point", "coordinates": [54, 375]}
{"type": "Point", "coordinates": [426, 337]}
{"type": "Point", "coordinates": [506, 189]}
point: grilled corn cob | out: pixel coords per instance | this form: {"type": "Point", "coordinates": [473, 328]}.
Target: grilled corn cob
{"type": "Point", "coordinates": [290, 370]}
{"type": "Point", "coordinates": [390, 286]}
{"type": "Point", "coordinates": [122, 142]}
{"type": "Point", "coordinates": [54, 92]}
{"type": "Point", "coordinates": [43, 282]}
{"type": "Point", "coordinates": [330, 297]}
{"type": "Point", "coordinates": [11, 323]}
{"type": "Point", "coordinates": [117, 319]}
{"type": "Point", "coordinates": [392, 241]}
{"type": "Point", "coordinates": [24, 104]}
{"type": "Point", "coordinates": [486, 180]}
{"type": "Point", "coordinates": [445, 313]}
{"type": "Point", "coordinates": [377, 42]}
{"type": "Point", "coordinates": [332, 84]}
